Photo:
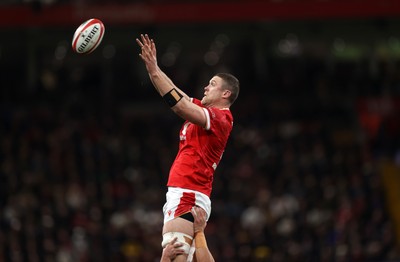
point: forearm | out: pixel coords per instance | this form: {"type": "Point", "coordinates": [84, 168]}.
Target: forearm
{"type": "Point", "coordinates": [167, 253]}
{"type": "Point", "coordinates": [162, 83]}
{"type": "Point", "coordinates": [202, 252]}
{"type": "Point", "coordinates": [165, 259]}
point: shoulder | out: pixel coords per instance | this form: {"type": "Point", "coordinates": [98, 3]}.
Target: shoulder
{"type": "Point", "coordinates": [220, 112]}
{"type": "Point", "coordinates": [220, 118]}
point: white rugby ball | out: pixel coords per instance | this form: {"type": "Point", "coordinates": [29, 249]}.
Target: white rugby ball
{"type": "Point", "coordinates": [88, 36]}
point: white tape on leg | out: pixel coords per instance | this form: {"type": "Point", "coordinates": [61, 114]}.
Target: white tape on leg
{"type": "Point", "coordinates": [185, 239]}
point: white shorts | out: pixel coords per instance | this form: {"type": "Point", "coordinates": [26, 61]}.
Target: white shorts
{"type": "Point", "coordinates": [180, 201]}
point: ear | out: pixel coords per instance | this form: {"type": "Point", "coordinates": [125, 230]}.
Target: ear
{"type": "Point", "coordinates": [227, 93]}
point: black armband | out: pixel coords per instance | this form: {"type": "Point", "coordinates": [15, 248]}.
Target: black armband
{"type": "Point", "coordinates": [172, 97]}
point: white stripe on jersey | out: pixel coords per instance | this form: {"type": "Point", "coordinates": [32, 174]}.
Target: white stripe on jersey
{"type": "Point", "coordinates": [208, 121]}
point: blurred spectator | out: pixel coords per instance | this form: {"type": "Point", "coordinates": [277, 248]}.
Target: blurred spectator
{"type": "Point", "coordinates": [82, 169]}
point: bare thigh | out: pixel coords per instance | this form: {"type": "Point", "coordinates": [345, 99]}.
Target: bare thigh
{"type": "Point", "coordinates": [179, 225]}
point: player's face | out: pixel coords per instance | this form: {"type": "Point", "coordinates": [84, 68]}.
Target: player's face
{"type": "Point", "coordinates": [213, 91]}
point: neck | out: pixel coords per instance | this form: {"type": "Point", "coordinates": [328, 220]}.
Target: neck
{"type": "Point", "coordinates": [219, 106]}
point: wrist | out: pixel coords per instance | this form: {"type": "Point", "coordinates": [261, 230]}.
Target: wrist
{"type": "Point", "coordinates": [200, 239]}
{"type": "Point", "coordinates": [198, 230]}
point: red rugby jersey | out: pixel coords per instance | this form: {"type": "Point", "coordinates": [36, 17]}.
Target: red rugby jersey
{"type": "Point", "coordinates": [200, 150]}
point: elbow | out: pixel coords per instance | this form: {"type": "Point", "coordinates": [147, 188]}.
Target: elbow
{"type": "Point", "coordinates": [191, 114]}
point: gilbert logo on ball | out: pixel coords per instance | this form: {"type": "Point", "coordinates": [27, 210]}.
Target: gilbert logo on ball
{"type": "Point", "coordinates": [88, 36]}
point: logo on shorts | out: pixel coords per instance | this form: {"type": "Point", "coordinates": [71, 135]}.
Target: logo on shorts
{"type": "Point", "coordinates": [169, 212]}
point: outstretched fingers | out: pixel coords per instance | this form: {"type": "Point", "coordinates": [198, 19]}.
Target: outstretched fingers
{"type": "Point", "coordinates": [147, 45]}
{"type": "Point", "coordinates": [153, 47]}
{"type": "Point", "coordinates": [139, 42]}
{"type": "Point", "coordinates": [141, 45]}
{"type": "Point", "coordinates": [146, 39]}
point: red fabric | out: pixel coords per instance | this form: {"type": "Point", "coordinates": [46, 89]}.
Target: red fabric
{"type": "Point", "coordinates": [200, 151]}
{"type": "Point", "coordinates": [188, 201]}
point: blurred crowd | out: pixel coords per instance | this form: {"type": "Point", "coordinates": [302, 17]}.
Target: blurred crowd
{"type": "Point", "coordinates": [49, 2]}
{"type": "Point", "coordinates": [84, 162]}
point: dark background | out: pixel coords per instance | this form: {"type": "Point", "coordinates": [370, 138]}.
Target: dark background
{"type": "Point", "coordinates": [310, 172]}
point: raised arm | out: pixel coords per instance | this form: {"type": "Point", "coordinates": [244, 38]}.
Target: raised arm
{"type": "Point", "coordinates": [180, 102]}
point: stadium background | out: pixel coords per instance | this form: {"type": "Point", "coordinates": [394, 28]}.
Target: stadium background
{"type": "Point", "coordinates": [311, 172]}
